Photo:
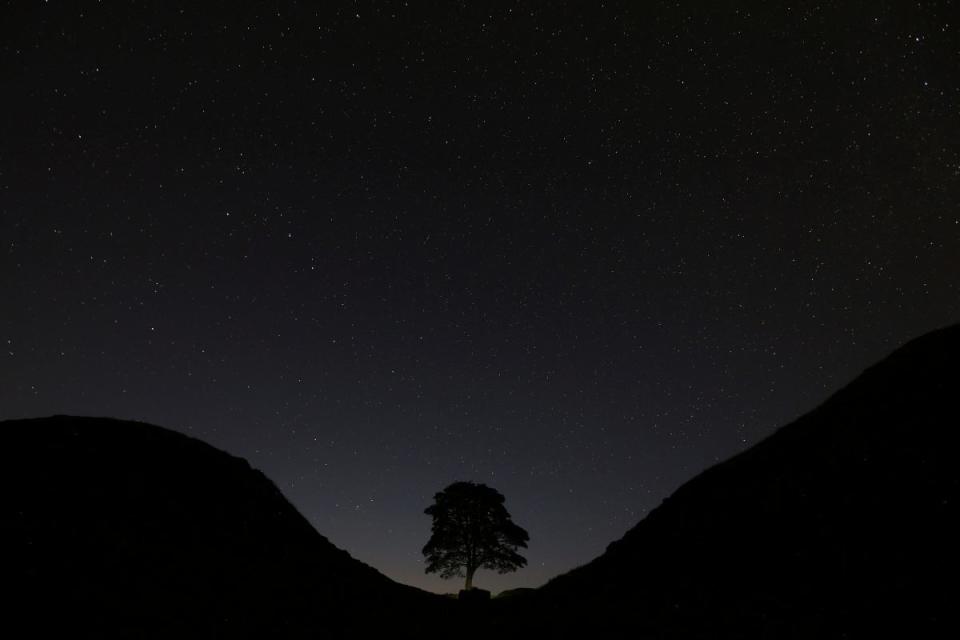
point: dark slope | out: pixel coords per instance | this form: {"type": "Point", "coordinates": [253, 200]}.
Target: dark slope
{"type": "Point", "coordinates": [842, 524]}
{"type": "Point", "coordinates": [120, 528]}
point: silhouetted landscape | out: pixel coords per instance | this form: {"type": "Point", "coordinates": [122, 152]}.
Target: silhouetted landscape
{"type": "Point", "coordinates": [842, 524]}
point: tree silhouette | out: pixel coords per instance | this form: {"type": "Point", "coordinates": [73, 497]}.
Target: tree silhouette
{"type": "Point", "coordinates": [472, 530]}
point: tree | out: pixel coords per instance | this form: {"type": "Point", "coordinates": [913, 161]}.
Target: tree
{"type": "Point", "coordinates": [472, 530]}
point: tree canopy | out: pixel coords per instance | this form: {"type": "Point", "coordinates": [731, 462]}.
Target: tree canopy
{"type": "Point", "coordinates": [471, 530]}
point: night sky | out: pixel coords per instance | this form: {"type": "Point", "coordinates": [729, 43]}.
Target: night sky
{"type": "Point", "coordinates": [576, 252]}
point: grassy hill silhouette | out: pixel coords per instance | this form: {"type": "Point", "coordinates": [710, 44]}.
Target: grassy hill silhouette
{"type": "Point", "coordinates": [842, 524]}
{"type": "Point", "coordinates": [128, 529]}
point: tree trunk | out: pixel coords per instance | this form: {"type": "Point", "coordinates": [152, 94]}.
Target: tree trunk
{"type": "Point", "coordinates": [470, 571]}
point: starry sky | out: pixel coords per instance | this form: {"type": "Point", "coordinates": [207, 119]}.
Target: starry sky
{"type": "Point", "coordinates": [576, 251]}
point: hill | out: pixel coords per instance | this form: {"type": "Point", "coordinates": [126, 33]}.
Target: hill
{"type": "Point", "coordinates": [124, 529]}
{"type": "Point", "coordinates": [842, 524]}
